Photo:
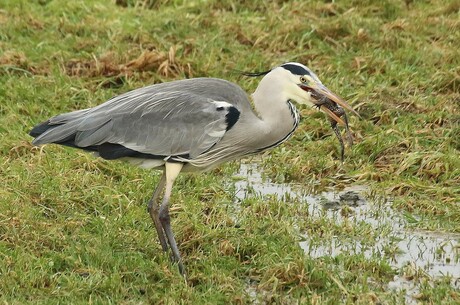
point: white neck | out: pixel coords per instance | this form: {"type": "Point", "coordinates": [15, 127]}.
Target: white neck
{"type": "Point", "coordinates": [269, 100]}
{"type": "Point", "coordinates": [276, 117]}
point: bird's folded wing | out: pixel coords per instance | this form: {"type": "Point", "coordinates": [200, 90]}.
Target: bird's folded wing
{"type": "Point", "coordinates": [161, 124]}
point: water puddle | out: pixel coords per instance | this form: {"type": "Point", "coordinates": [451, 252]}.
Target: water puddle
{"type": "Point", "coordinates": [410, 252]}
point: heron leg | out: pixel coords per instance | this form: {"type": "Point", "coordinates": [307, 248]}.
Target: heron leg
{"type": "Point", "coordinates": [172, 171]}
{"type": "Point", "coordinates": [153, 209]}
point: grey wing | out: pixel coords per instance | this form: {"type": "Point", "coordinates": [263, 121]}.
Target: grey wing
{"type": "Point", "coordinates": [171, 123]}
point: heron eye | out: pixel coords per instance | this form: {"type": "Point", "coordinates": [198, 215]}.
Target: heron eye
{"type": "Point", "coordinates": [303, 79]}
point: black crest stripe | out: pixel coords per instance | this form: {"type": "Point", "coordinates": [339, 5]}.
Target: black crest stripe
{"type": "Point", "coordinates": [296, 69]}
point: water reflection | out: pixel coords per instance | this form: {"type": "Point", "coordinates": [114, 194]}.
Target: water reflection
{"type": "Point", "coordinates": [437, 254]}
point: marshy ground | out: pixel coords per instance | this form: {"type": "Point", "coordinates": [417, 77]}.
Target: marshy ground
{"type": "Point", "coordinates": [292, 226]}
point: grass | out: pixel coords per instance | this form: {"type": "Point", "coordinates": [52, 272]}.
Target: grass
{"type": "Point", "coordinates": [74, 229]}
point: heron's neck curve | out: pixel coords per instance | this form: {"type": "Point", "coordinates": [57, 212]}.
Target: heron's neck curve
{"type": "Point", "coordinates": [278, 116]}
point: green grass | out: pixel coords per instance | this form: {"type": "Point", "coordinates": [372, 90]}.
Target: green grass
{"type": "Point", "coordinates": [74, 229]}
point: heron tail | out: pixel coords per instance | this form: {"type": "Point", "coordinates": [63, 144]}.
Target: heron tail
{"type": "Point", "coordinates": [60, 129]}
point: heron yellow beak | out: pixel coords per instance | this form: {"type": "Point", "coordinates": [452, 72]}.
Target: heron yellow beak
{"type": "Point", "coordinates": [325, 100]}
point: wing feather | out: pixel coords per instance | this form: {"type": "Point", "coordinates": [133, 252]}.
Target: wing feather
{"type": "Point", "coordinates": [182, 118]}
{"type": "Point", "coordinates": [176, 124]}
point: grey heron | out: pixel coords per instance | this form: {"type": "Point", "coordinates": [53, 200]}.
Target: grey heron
{"type": "Point", "coordinates": [192, 125]}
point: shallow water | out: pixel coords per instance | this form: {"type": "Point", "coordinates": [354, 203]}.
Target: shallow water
{"type": "Point", "coordinates": [436, 254]}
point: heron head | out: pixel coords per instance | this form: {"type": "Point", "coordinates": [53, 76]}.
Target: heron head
{"type": "Point", "coordinates": [300, 84]}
